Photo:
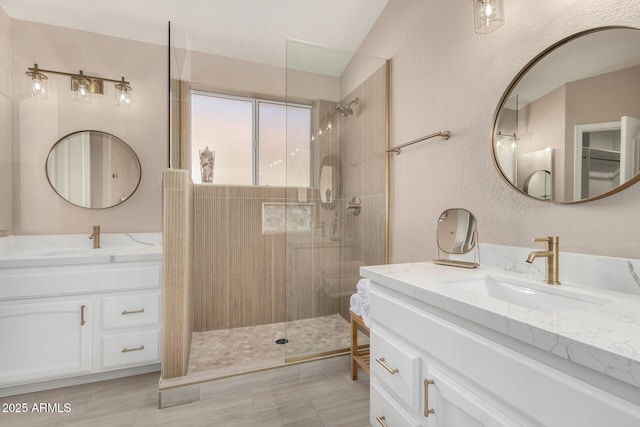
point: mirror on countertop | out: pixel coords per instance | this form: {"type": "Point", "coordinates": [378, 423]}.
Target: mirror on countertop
{"type": "Point", "coordinates": [574, 113]}
{"type": "Point", "coordinates": [457, 237]}
{"type": "Point", "coordinates": [93, 169]}
{"type": "Point", "coordinates": [329, 181]}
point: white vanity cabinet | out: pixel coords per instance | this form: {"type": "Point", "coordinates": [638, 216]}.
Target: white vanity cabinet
{"type": "Point", "coordinates": [76, 323]}
{"type": "Point", "coordinates": [465, 376]}
{"type": "Point", "coordinates": [43, 338]}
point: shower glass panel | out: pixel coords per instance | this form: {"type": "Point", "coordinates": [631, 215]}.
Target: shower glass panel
{"type": "Point", "coordinates": [326, 242]}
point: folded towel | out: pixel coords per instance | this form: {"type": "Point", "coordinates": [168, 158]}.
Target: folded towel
{"type": "Point", "coordinates": [363, 287]}
{"type": "Point", "coordinates": [355, 305]}
{"type": "Point", "coordinates": [366, 313]}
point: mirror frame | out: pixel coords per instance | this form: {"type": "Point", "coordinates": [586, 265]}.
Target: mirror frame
{"type": "Point", "coordinates": [507, 93]}
{"type": "Point", "coordinates": [135, 156]}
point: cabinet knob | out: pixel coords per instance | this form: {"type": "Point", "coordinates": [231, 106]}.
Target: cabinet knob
{"type": "Point", "coordinates": [380, 419]}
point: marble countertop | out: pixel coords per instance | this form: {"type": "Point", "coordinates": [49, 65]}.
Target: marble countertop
{"type": "Point", "coordinates": [76, 249]}
{"type": "Point", "coordinates": [605, 337]}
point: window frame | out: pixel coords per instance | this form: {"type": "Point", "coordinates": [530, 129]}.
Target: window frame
{"type": "Point", "coordinates": [255, 143]}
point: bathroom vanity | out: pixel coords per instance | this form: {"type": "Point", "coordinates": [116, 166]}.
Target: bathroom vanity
{"type": "Point", "coordinates": [68, 312]}
{"type": "Point", "coordinates": [457, 347]}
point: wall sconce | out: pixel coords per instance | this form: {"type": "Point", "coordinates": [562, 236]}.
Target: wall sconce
{"type": "Point", "coordinates": [37, 83]}
{"type": "Point", "coordinates": [488, 15]}
{"type": "Point", "coordinates": [123, 93]}
{"type": "Point", "coordinates": [82, 85]}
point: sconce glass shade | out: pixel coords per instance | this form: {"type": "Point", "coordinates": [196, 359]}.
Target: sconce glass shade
{"type": "Point", "coordinates": [123, 94]}
{"type": "Point", "coordinates": [81, 87]}
{"type": "Point", "coordinates": [488, 15]}
{"type": "Point", "coordinates": [37, 86]}
{"type": "Point", "coordinates": [82, 93]}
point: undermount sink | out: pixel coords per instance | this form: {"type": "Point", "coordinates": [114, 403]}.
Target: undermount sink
{"type": "Point", "coordinates": [544, 298]}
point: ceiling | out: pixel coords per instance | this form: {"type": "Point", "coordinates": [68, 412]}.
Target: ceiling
{"type": "Point", "coordinates": [252, 30]}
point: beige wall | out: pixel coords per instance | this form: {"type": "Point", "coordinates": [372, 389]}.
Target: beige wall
{"type": "Point", "coordinates": [38, 124]}
{"type": "Point", "coordinates": [444, 76]}
{"type": "Point", "coordinates": [5, 53]}
{"type": "Point", "coordinates": [6, 208]}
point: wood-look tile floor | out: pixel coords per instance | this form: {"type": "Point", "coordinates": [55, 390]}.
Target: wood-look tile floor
{"type": "Point", "coordinates": [327, 400]}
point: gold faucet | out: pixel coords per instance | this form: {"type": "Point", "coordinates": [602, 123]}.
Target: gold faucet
{"type": "Point", "coordinates": [96, 237]}
{"type": "Point", "coordinates": [551, 255]}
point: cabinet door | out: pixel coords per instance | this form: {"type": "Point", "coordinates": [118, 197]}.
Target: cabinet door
{"type": "Point", "coordinates": [448, 402]}
{"type": "Point", "coordinates": [44, 340]}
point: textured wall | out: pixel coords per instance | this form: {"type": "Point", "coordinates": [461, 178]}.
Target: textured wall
{"type": "Point", "coordinates": [444, 76]}
{"type": "Point", "coordinates": [39, 123]}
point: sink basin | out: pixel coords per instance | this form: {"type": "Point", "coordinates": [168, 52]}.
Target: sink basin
{"type": "Point", "coordinates": [524, 293]}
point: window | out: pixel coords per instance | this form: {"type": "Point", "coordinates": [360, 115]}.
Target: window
{"type": "Point", "coordinates": [255, 141]}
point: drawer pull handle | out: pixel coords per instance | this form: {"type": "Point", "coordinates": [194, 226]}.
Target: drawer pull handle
{"type": "Point", "coordinates": [380, 419]}
{"type": "Point", "coordinates": [381, 361]}
{"type": "Point", "coordinates": [82, 321]}
{"type": "Point", "coordinates": [427, 411]}
{"type": "Point", "coordinates": [126, 350]}
{"type": "Point", "coordinates": [133, 312]}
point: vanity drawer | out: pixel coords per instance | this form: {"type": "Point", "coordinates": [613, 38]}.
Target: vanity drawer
{"type": "Point", "coordinates": [397, 367]}
{"type": "Point", "coordinates": [130, 348]}
{"type": "Point", "coordinates": [130, 310]}
{"type": "Point", "coordinates": [386, 412]}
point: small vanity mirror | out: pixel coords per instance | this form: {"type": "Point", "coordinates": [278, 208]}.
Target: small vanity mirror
{"type": "Point", "coordinates": [93, 169]}
{"type": "Point", "coordinates": [329, 185]}
{"type": "Point", "coordinates": [457, 235]}
{"type": "Point", "coordinates": [574, 113]}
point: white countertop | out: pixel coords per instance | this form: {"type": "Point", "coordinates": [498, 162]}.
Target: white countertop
{"type": "Point", "coordinates": [605, 338]}
{"type": "Point", "coordinates": [76, 249]}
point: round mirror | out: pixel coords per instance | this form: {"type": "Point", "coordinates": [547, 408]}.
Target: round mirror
{"type": "Point", "coordinates": [93, 169]}
{"type": "Point", "coordinates": [573, 112]}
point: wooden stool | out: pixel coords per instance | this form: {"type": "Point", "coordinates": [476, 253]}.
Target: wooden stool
{"type": "Point", "coordinates": [358, 356]}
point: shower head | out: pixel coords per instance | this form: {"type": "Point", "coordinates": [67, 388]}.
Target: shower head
{"type": "Point", "coordinates": [346, 111]}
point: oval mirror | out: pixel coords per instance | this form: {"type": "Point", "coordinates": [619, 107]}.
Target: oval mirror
{"type": "Point", "coordinates": [574, 111]}
{"type": "Point", "coordinates": [93, 169]}
{"type": "Point", "coordinates": [329, 185]}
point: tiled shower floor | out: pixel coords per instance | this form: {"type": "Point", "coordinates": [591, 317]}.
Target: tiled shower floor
{"type": "Point", "coordinates": [235, 350]}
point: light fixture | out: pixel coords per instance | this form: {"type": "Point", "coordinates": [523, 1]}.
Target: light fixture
{"type": "Point", "coordinates": [488, 15]}
{"type": "Point", "coordinates": [37, 83]}
{"type": "Point", "coordinates": [82, 85]}
{"type": "Point", "coordinates": [123, 93]}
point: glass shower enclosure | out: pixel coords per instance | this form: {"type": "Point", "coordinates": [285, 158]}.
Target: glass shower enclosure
{"type": "Point", "coordinates": [344, 212]}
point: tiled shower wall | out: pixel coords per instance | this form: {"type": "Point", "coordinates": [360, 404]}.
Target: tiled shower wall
{"type": "Point", "coordinates": [239, 277]}
{"type": "Point", "coordinates": [177, 268]}
{"type": "Point", "coordinates": [243, 277]}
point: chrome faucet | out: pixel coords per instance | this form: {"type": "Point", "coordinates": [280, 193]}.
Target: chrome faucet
{"type": "Point", "coordinates": [551, 256]}
{"type": "Point", "coordinates": [96, 237]}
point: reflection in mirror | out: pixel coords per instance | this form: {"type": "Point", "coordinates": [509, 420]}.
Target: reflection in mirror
{"type": "Point", "coordinates": [329, 181]}
{"type": "Point", "coordinates": [538, 185]}
{"type": "Point", "coordinates": [457, 234]}
{"type": "Point", "coordinates": [580, 101]}
{"type": "Point", "coordinates": [93, 169]}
